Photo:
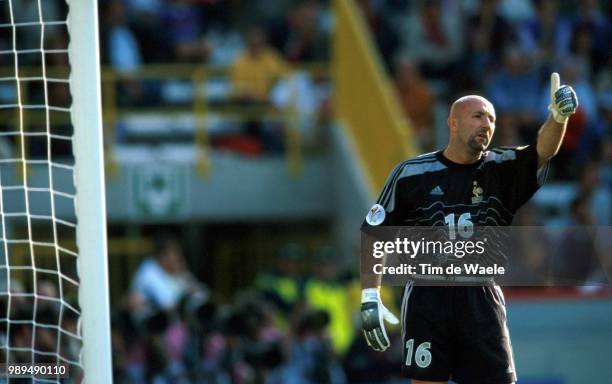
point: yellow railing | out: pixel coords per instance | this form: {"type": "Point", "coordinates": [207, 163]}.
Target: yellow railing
{"type": "Point", "coordinates": [364, 100]}
{"type": "Point", "coordinates": [200, 108]}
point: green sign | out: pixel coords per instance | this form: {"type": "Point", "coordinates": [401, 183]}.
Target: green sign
{"type": "Point", "coordinates": [159, 191]}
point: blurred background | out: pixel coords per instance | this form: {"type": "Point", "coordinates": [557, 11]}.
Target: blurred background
{"type": "Point", "coordinates": [245, 141]}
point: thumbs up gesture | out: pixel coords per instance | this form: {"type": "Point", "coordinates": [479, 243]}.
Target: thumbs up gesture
{"type": "Point", "coordinates": [563, 100]}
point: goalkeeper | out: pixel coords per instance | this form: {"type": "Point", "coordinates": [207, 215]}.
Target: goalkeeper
{"type": "Point", "coordinates": [460, 332]}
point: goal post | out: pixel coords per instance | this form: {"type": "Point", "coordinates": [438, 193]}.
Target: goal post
{"type": "Point", "coordinates": [83, 51]}
{"type": "Point", "coordinates": [54, 281]}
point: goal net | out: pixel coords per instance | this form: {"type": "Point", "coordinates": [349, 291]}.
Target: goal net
{"type": "Point", "coordinates": [54, 307]}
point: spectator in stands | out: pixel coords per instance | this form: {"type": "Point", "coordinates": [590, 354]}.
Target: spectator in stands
{"type": "Point", "coordinates": [7, 149]}
{"type": "Point", "coordinates": [590, 145]}
{"type": "Point", "coordinates": [24, 336]}
{"type": "Point", "coordinates": [305, 99]}
{"type": "Point", "coordinates": [416, 99]}
{"type": "Point", "coordinates": [186, 34]}
{"type": "Point", "coordinates": [605, 129]}
{"type": "Point", "coordinates": [157, 362]}
{"type": "Point", "coordinates": [122, 52]}
{"type": "Point", "coordinates": [325, 292]}
{"type": "Point", "coordinates": [598, 192]}
{"type": "Point", "coordinates": [515, 11]}
{"type": "Point", "coordinates": [603, 78]}
{"type": "Point", "coordinates": [200, 319]}
{"type": "Point", "coordinates": [582, 46]}
{"type": "Point", "coordinates": [144, 8]}
{"type": "Point", "coordinates": [577, 256]}
{"type": "Point", "coordinates": [217, 13]}
{"type": "Point", "coordinates": [311, 359]}
{"type": "Point", "coordinates": [226, 43]}
{"type": "Point", "coordinates": [253, 343]}
{"type": "Point", "coordinates": [386, 38]}
{"type": "Point", "coordinates": [263, 12]}
{"type": "Point", "coordinates": [145, 19]}
{"type": "Point", "coordinates": [546, 35]}
{"type": "Point", "coordinates": [257, 69]}
{"type": "Point", "coordinates": [515, 90]}
{"type": "Point", "coordinates": [283, 285]}
{"type": "Point", "coordinates": [300, 37]}
{"type": "Point", "coordinates": [433, 38]}
{"type": "Point", "coordinates": [48, 299]}
{"type": "Point", "coordinates": [28, 11]}
{"type": "Point", "coordinates": [487, 33]}
{"type": "Point", "coordinates": [253, 75]}
{"type": "Point", "coordinates": [591, 29]}
{"type": "Point", "coordinates": [530, 261]}
{"type": "Point", "coordinates": [161, 281]}
{"type": "Point", "coordinates": [123, 49]}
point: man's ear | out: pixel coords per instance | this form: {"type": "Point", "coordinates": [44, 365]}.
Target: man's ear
{"type": "Point", "coordinates": [452, 123]}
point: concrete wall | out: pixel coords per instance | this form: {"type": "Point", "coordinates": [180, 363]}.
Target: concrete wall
{"type": "Point", "coordinates": [562, 341]}
{"type": "Point", "coordinates": [351, 196]}
{"type": "Point", "coordinates": [236, 189]}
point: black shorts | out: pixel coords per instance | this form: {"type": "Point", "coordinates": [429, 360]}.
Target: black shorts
{"type": "Point", "coordinates": [456, 332]}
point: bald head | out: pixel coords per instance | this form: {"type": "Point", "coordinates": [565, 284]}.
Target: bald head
{"type": "Point", "coordinates": [464, 103]}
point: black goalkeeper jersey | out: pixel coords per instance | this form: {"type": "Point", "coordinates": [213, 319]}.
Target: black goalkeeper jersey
{"type": "Point", "coordinates": [435, 197]}
{"type": "Point", "coordinates": [431, 190]}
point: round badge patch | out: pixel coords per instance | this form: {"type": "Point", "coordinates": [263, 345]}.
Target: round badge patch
{"type": "Point", "coordinates": [376, 215]}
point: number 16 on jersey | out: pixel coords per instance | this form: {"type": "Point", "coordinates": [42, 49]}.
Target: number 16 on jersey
{"type": "Point", "coordinates": [464, 226]}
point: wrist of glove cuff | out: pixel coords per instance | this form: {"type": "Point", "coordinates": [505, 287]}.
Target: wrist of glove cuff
{"type": "Point", "coordinates": [370, 294]}
{"type": "Point", "coordinates": [557, 116]}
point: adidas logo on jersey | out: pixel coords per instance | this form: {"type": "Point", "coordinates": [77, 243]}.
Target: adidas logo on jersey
{"type": "Point", "coordinates": [437, 191]}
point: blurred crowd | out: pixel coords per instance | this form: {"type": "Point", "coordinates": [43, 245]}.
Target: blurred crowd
{"type": "Point", "coordinates": [434, 50]}
{"type": "Point", "coordinates": [297, 323]}
{"type": "Point", "coordinates": [39, 325]}
{"type": "Point", "coordinates": [211, 31]}
{"type": "Point", "coordinates": [298, 320]}
{"type": "Point", "coordinates": [258, 46]}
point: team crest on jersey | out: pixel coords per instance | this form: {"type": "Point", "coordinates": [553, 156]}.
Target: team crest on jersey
{"type": "Point", "coordinates": [477, 192]}
{"type": "Point", "coordinates": [376, 215]}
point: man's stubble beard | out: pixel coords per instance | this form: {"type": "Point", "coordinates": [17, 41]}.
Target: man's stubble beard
{"type": "Point", "coordinates": [475, 147]}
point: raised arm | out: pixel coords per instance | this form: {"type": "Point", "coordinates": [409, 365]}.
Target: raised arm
{"type": "Point", "coordinates": [563, 104]}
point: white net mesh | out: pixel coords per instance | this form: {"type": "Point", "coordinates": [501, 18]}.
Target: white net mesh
{"type": "Point", "coordinates": [39, 282]}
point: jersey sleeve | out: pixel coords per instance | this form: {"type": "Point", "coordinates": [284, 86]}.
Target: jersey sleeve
{"type": "Point", "coordinates": [520, 175]}
{"type": "Point", "coordinates": [382, 213]}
